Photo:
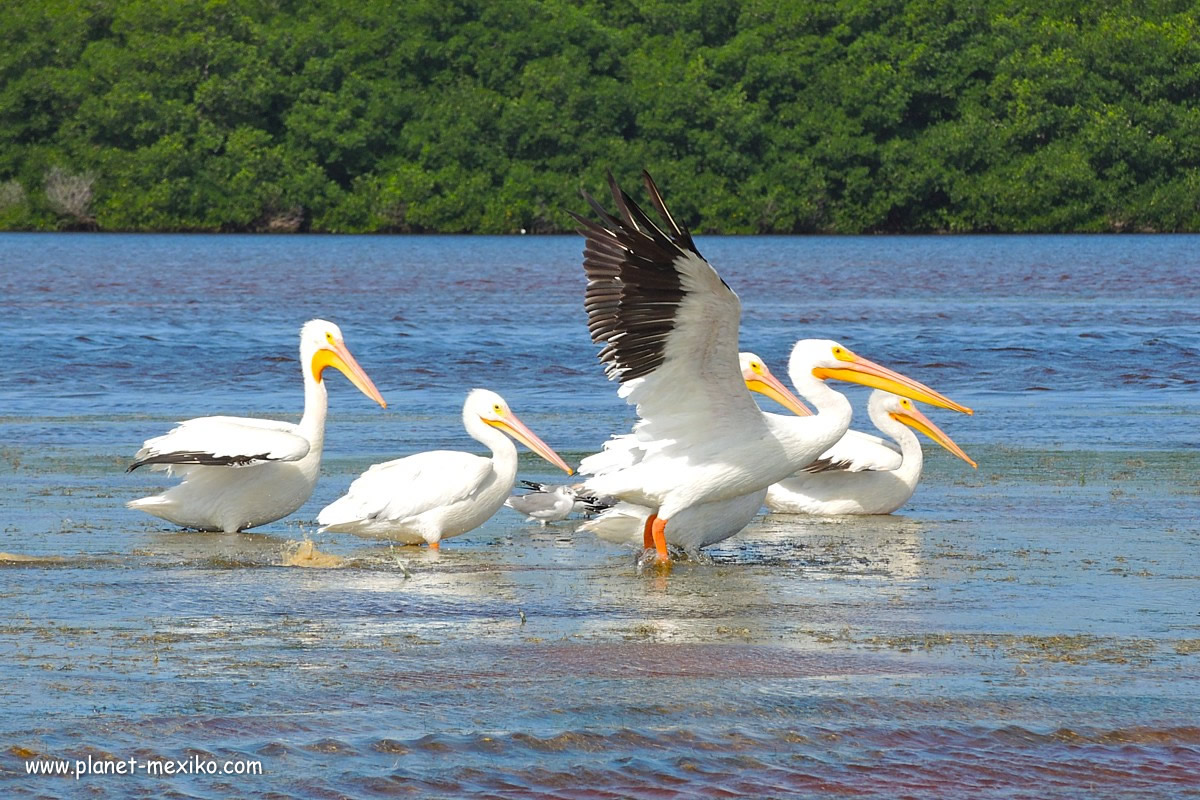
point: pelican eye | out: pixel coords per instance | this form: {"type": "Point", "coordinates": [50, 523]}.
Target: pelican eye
{"type": "Point", "coordinates": [497, 409]}
{"type": "Point", "coordinates": [842, 354]}
{"type": "Point", "coordinates": [329, 337]}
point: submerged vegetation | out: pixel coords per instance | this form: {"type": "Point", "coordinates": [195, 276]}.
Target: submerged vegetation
{"type": "Point", "coordinates": [783, 116]}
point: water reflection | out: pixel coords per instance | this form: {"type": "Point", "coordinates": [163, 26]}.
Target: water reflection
{"type": "Point", "coordinates": [850, 547]}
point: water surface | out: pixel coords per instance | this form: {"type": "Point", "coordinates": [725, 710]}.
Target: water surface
{"type": "Point", "coordinates": [1026, 630]}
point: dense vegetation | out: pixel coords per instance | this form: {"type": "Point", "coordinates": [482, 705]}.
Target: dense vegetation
{"type": "Point", "coordinates": [489, 115]}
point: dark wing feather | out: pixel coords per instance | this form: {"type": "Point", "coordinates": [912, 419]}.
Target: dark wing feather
{"type": "Point", "coordinates": [223, 442]}
{"type": "Point", "coordinates": [666, 323]}
{"type": "Point", "coordinates": [828, 465]}
{"type": "Point", "coordinates": [634, 285]}
{"type": "Point", "coordinates": [203, 459]}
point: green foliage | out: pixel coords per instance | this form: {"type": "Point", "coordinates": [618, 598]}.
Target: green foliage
{"type": "Point", "coordinates": [783, 116]}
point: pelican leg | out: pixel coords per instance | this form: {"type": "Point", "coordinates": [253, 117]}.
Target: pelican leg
{"type": "Point", "coordinates": [435, 545]}
{"type": "Point", "coordinates": [647, 534]}
{"type": "Point", "coordinates": [659, 533]}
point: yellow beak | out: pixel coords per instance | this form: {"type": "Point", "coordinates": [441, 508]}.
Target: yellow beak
{"type": "Point", "coordinates": [868, 373]}
{"type": "Point", "coordinates": [340, 359]}
{"type": "Point", "coordinates": [767, 384]}
{"type": "Point", "coordinates": [519, 431]}
{"type": "Point", "coordinates": [918, 421]}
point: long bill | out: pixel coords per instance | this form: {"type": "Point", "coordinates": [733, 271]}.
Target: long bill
{"type": "Point", "coordinates": [857, 369]}
{"type": "Point", "coordinates": [519, 431]}
{"type": "Point", "coordinates": [340, 359]}
{"type": "Point", "coordinates": [919, 422]}
{"type": "Point", "coordinates": [765, 383]}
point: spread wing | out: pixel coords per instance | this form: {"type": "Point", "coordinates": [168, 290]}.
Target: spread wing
{"type": "Point", "coordinates": [620, 452]}
{"type": "Point", "coordinates": [666, 323]}
{"type": "Point", "coordinates": [407, 487]}
{"type": "Point", "coordinates": [225, 442]}
{"type": "Point", "coordinates": [856, 452]}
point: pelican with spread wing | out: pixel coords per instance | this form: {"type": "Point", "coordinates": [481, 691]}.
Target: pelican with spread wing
{"type": "Point", "coordinates": [241, 472]}
{"type": "Point", "coordinates": [698, 526]}
{"type": "Point", "coordinates": [667, 325]}
{"type": "Point", "coordinates": [860, 474]}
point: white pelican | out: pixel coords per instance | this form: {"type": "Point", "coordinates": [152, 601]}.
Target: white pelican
{"type": "Point", "coordinates": [864, 474]}
{"type": "Point", "coordinates": [241, 472]}
{"type": "Point", "coordinates": [707, 524]}
{"type": "Point", "coordinates": [668, 326]}
{"type": "Point", "coordinates": [697, 526]}
{"type": "Point", "coordinates": [432, 496]}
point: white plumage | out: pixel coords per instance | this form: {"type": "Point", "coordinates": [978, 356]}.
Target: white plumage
{"type": "Point", "coordinates": [228, 439]}
{"type": "Point", "coordinates": [863, 474]}
{"type": "Point", "coordinates": [431, 496]}
{"type": "Point", "coordinates": [857, 450]}
{"type": "Point", "coordinates": [692, 529]}
{"type": "Point", "coordinates": [241, 472]}
{"type": "Point", "coordinates": [695, 527]}
{"type": "Point", "coordinates": [668, 327]}
{"type": "Point", "coordinates": [812, 362]}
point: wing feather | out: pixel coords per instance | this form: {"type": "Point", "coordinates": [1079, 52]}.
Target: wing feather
{"type": "Point", "coordinates": [666, 323]}
{"type": "Point", "coordinates": [408, 487]}
{"type": "Point", "coordinates": [857, 452]}
{"type": "Point", "coordinates": [224, 441]}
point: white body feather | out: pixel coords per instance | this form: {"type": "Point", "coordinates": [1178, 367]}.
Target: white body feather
{"type": "Point", "coordinates": [857, 451]}
{"type": "Point", "coordinates": [875, 479]}
{"type": "Point", "coordinates": [711, 522]}
{"type": "Point", "coordinates": [692, 528]}
{"type": "Point", "coordinates": [668, 330]}
{"type": "Point", "coordinates": [245, 472]}
{"type": "Point", "coordinates": [234, 498]}
{"type": "Point", "coordinates": [427, 497]}
{"type": "Point", "coordinates": [700, 437]}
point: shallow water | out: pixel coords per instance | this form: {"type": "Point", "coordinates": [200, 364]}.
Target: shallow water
{"type": "Point", "coordinates": [1026, 630]}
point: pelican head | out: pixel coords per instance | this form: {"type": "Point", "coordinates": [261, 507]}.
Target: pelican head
{"type": "Point", "coordinates": [825, 359]}
{"type": "Point", "coordinates": [759, 379]}
{"type": "Point", "coordinates": [321, 346]}
{"type": "Point", "coordinates": [493, 410]}
{"type": "Point", "coordinates": [904, 410]}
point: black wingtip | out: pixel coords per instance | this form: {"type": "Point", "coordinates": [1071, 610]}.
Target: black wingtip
{"type": "Point", "coordinates": [680, 231]}
{"type": "Point", "coordinates": [198, 458]}
{"type": "Point", "coordinates": [634, 286]}
{"type": "Point", "coordinates": [651, 186]}
{"type": "Point", "coordinates": [612, 182]}
{"type": "Point", "coordinates": [623, 201]}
